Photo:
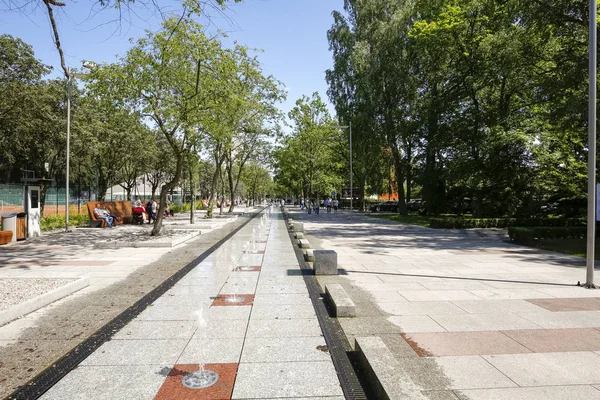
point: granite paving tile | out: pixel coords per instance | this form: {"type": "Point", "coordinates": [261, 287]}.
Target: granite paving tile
{"type": "Point", "coordinates": [438, 295]}
{"type": "Point", "coordinates": [483, 322]}
{"type": "Point", "coordinates": [557, 340]}
{"type": "Point", "coordinates": [109, 382]}
{"type": "Point", "coordinates": [285, 380]}
{"type": "Point", "coordinates": [273, 299]}
{"type": "Point", "coordinates": [283, 311]}
{"type": "Point", "coordinates": [283, 289]}
{"type": "Point", "coordinates": [420, 308]}
{"type": "Point", "coordinates": [571, 392]}
{"type": "Point", "coordinates": [464, 343]}
{"type": "Point", "coordinates": [493, 306]}
{"type": "Point", "coordinates": [223, 329]}
{"type": "Point", "coordinates": [157, 330]}
{"type": "Point", "coordinates": [137, 352]}
{"type": "Point", "coordinates": [548, 369]}
{"type": "Point", "coordinates": [568, 304]}
{"type": "Point", "coordinates": [564, 319]}
{"type": "Point", "coordinates": [273, 328]}
{"type": "Point", "coordinates": [454, 372]}
{"type": "Point", "coordinates": [292, 349]}
{"type": "Point", "coordinates": [416, 323]}
{"type": "Point", "coordinates": [213, 350]}
{"type": "Point", "coordinates": [501, 294]}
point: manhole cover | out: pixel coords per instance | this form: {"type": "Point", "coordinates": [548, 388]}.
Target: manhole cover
{"type": "Point", "coordinates": [200, 379]}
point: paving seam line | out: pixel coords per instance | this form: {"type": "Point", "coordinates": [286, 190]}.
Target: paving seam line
{"type": "Point", "coordinates": [337, 342]}
{"type": "Point", "coordinates": [41, 383]}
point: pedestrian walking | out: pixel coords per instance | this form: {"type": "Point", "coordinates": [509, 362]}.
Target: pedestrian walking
{"type": "Point", "coordinates": [328, 205]}
{"type": "Point", "coordinates": [336, 204]}
{"type": "Point", "coordinates": [317, 206]}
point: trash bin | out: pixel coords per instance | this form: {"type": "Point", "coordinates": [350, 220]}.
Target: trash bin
{"type": "Point", "coordinates": [9, 223]}
{"type": "Point", "coordinates": [21, 226]}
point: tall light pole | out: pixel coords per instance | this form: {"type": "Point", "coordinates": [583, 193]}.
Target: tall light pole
{"type": "Point", "coordinates": [68, 149]}
{"type": "Point", "coordinates": [70, 77]}
{"type": "Point", "coordinates": [591, 214]}
{"type": "Point", "coordinates": [349, 127]}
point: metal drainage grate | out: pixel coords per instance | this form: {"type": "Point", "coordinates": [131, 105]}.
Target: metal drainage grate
{"type": "Point", "coordinates": [200, 379]}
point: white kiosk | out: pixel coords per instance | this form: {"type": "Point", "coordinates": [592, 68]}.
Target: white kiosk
{"type": "Point", "coordinates": [31, 205]}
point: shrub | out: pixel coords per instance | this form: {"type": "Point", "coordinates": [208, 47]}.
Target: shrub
{"type": "Point", "coordinates": [529, 234]}
{"type": "Point", "coordinates": [470, 223]}
{"type": "Point", "coordinates": [51, 222]}
{"type": "Point", "coordinates": [180, 208]}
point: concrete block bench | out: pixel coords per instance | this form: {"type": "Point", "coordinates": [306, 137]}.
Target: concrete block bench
{"type": "Point", "coordinates": [308, 255]}
{"type": "Point", "coordinates": [299, 226]}
{"type": "Point", "coordinates": [325, 262]}
{"type": "Point", "coordinates": [304, 244]}
{"type": "Point", "coordinates": [342, 303]}
{"type": "Point", "coordinates": [298, 235]}
{"type": "Point", "coordinates": [383, 370]}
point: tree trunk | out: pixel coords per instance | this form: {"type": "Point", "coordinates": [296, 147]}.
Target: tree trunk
{"type": "Point", "coordinates": [231, 188]}
{"type": "Point", "coordinates": [163, 195]}
{"type": "Point", "coordinates": [402, 210]}
{"type": "Point", "coordinates": [193, 192]}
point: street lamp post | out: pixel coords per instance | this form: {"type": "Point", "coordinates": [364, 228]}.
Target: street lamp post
{"type": "Point", "coordinates": [68, 148]}
{"type": "Point", "coordinates": [349, 127]}
{"type": "Point", "coordinates": [70, 77]}
{"type": "Point", "coordinates": [591, 214]}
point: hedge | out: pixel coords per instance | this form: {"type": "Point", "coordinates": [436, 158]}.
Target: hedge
{"type": "Point", "coordinates": [526, 235]}
{"type": "Point", "coordinates": [470, 223]}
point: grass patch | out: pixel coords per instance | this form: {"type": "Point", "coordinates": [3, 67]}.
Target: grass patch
{"type": "Point", "coordinates": [573, 247]}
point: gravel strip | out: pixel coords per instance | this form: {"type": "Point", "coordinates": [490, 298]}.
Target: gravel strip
{"type": "Point", "coordinates": [17, 290]}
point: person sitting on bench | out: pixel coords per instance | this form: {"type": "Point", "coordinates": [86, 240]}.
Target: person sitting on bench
{"type": "Point", "coordinates": [103, 214]}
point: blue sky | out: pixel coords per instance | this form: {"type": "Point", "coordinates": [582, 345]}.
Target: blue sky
{"type": "Point", "coordinates": [292, 33]}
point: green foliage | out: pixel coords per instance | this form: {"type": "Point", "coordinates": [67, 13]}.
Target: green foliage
{"type": "Point", "coordinates": [474, 99]}
{"type": "Point", "coordinates": [309, 160]}
{"type": "Point", "coordinates": [181, 208]}
{"type": "Point", "coordinates": [529, 235]}
{"type": "Point", "coordinates": [52, 222]}
{"type": "Point", "coordinates": [470, 223]}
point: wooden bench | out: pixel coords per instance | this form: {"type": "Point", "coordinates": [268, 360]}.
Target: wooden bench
{"type": "Point", "coordinates": [119, 209]}
{"type": "Point", "coordinates": [6, 237]}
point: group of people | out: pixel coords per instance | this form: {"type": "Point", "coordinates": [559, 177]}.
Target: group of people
{"type": "Point", "coordinates": [148, 213]}
{"type": "Point", "coordinates": [313, 205]}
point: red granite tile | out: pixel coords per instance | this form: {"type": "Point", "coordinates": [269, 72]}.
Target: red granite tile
{"type": "Point", "coordinates": [557, 340]}
{"type": "Point", "coordinates": [572, 304]}
{"type": "Point", "coordinates": [463, 343]}
{"type": "Point", "coordinates": [224, 300]}
{"type": "Point", "coordinates": [173, 389]}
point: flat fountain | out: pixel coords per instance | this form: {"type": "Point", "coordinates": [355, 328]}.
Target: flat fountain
{"type": "Point", "coordinates": [202, 378]}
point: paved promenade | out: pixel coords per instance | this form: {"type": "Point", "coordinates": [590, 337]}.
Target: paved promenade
{"type": "Point", "coordinates": [244, 312]}
{"type": "Point", "coordinates": [465, 315]}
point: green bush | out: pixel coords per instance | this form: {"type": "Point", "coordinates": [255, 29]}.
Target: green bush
{"type": "Point", "coordinates": [180, 208]}
{"type": "Point", "coordinates": [51, 222]}
{"type": "Point", "coordinates": [470, 223]}
{"type": "Point", "coordinates": [522, 234]}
